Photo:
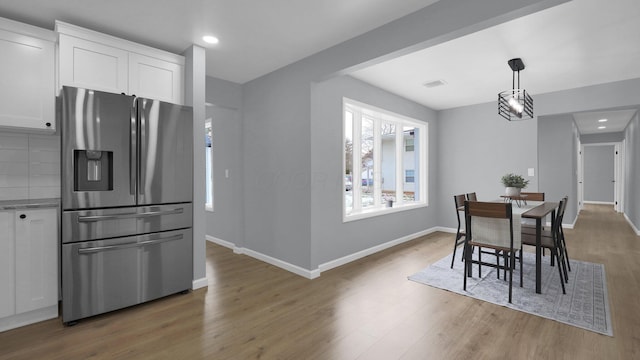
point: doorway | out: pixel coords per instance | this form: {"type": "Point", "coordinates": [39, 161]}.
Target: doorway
{"type": "Point", "coordinates": [600, 178]}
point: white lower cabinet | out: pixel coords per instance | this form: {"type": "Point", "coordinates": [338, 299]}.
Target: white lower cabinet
{"type": "Point", "coordinates": [29, 252]}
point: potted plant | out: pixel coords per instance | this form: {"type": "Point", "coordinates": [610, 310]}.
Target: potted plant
{"type": "Point", "coordinates": [513, 184]}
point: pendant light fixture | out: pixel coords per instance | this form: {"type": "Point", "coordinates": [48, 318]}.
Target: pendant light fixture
{"type": "Point", "coordinates": [515, 104]}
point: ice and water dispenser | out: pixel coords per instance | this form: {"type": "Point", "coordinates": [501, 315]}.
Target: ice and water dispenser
{"type": "Point", "coordinates": [93, 170]}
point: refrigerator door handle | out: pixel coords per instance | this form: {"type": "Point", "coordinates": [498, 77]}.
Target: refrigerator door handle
{"type": "Point", "coordinates": [93, 250]}
{"type": "Point", "coordinates": [129, 215]}
{"type": "Point", "coordinates": [133, 145]}
{"type": "Point", "coordinates": [144, 132]}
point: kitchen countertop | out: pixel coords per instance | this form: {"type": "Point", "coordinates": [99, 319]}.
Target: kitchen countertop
{"type": "Point", "coordinates": [29, 203]}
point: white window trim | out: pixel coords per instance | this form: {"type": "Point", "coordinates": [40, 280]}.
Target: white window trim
{"type": "Point", "coordinates": [208, 206]}
{"type": "Point", "coordinates": [421, 179]}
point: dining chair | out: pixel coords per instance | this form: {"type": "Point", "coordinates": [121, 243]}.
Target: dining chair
{"type": "Point", "coordinates": [561, 233]}
{"type": "Point", "coordinates": [533, 196]}
{"type": "Point", "coordinates": [550, 239]}
{"type": "Point", "coordinates": [490, 225]}
{"type": "Point", "coordinates": [472, 196]}
{"type": "Point", "coordinates": [460, 234]}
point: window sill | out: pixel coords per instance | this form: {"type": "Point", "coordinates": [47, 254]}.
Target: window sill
{"type": "Point", "coordinates": [379, 211]}
{"type": "Point", "coordinates": [208, 208]}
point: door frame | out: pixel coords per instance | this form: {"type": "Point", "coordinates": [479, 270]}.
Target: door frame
{"type": "Point", "coordinates": [618, 174]}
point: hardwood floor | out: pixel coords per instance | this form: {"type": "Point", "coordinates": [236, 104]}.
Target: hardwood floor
{"type": "Point", "coordinates": [363, 310]}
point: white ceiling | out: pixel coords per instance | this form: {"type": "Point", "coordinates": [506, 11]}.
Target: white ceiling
{"type": "Point", "coordinates": [576, 44]}
{"type": "Point", "coordinates": [256, 36]}
{"type": "Point", "coordinates": [580, 43]}
{"type": "Point", "coordinates": [616, 121]}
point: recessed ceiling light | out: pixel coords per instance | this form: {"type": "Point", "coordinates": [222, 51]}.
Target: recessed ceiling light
{"type": "Point", "coordinates": [603, 120]}
{"type": "Point", "coordinates": [210, 39]}
{"type": "Point", "coordinates": [601, 127]}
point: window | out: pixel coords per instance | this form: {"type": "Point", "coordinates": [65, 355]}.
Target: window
{"type": "Point", "coordinates": [409, 176]}
{"type": "Point", "coordinates": [385, 161]}
{"type": "Point", "coordinates": [408, 144]}
{"type": "Point", "coordinates": [208, 163]}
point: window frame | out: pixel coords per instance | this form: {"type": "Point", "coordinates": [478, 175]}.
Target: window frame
{"type": "Point", "coordinates": [421, 180]}
{"type": "Point", "coordinates": [209, 183]}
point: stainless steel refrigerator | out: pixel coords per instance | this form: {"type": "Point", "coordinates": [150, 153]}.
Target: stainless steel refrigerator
{"type": "Point", "coordinates": [127, 191]}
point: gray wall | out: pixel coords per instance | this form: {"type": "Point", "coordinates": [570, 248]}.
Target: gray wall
{"type": "Point", "coordinates": [225, 221]}
{"type": "Point", "coordinates": [602, 138]}
{"type": "Point", "coordinates": [557, 156]}
{"type": "Point", "coordinates": [598, 173]}
{"type": "Point", "coordinates": [476, 148]}
{"type": "Point", "coordinates": [632, 171]}
{"type": "Point", "coordinates": [277, 130]}
{"type": "Point", "coordinates": [330, 237]}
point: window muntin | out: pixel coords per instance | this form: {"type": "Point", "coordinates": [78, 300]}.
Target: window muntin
{"type": "Point", "coordinates": [383, 166]}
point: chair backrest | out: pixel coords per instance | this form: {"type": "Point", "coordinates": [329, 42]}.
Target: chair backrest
{"type": "Point", "coordinates": [557, 222]}
{"type": "Point", "coordinates": [561, 207]}
{"type": "Point", "coordinates": [490, 223]}
{"type": "Point", "coordinates": [534, 196]}
{"type": "Point", "coordinates": [472, 196]}
{"type": "Point", "coordinates": [459, 200]}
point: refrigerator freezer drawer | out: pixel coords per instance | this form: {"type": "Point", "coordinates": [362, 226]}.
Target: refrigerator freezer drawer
{"type": "Point", "coordinates": [84, 225]}
{"type": "Point", "coordinates": [106, 275]}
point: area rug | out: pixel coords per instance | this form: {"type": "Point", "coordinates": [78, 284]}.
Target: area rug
{"type": "Point", "coordinates": [585, 304]}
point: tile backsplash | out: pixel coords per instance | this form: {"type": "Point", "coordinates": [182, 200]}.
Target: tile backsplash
{"type": "Point", "coordinates": [29, 166]}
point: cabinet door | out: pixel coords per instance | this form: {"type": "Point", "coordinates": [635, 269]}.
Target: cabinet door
{"type": "Point", "coordinates": [7, 264]}
{"type": "Point", "coordinates": [87, 64]}
{"type": "Point", "coordinates": [36, 259]}
{"type": "Point", "coordinates": [155, 79]}
{"type": "Point", "coordinates": [27, 82]}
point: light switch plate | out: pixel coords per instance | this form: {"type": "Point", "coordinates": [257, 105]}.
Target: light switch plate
{"type": "Point", "coordinates": [531, 172]}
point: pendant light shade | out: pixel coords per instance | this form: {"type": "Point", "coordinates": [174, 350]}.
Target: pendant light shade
{"type": "Point", "coordinates": [515, 104]}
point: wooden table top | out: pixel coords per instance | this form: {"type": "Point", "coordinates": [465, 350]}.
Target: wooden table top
{"type": "Point", "coordinates": [541, 210]}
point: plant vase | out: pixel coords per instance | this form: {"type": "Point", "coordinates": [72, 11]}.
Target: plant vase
{"type": "Point", "coordinates": [512, 191]}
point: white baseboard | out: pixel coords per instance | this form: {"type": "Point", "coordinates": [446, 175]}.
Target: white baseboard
{"type": "Point", "coordinates": [366, 252]}
{"type": "Point", "coordinates": [30, 317]}
{"type": "Point", "coordinates": [199, 283]}
{"type": "Point", "coordinates": [599, 202]}
{"type": "Point", "coordinates": [312, 274]}
{"type": "Point", "coordinates": [635, 229]}
{"type": "Point", "coordinates": [309, 274]}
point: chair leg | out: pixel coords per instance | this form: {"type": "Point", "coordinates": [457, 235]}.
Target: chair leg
{"type": "Point", "coordinates": [521, 266]}
{"type": "Point", "coordinates": [455, 247]}
{"type": "Point", "coordinates": [467, 266]}
{"type": "Point", "coordinates": [554, 253]}
{"type": "Point", "coordinates": [479, 262]}
{"type": "Point", "coordinates": [511, 274]}
{"type": "Point", "coordinates": [564, 246]}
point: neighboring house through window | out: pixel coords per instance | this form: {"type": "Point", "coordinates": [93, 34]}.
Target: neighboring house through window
{"type": "Point", "coordinates": [385, 161]}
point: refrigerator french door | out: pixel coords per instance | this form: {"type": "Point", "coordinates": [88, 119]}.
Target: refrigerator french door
{"type": "Point", "coordinates": [127, 166]}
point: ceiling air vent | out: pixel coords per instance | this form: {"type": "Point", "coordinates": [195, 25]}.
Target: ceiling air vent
{"type": "Point", "coordinates": [435, 83]}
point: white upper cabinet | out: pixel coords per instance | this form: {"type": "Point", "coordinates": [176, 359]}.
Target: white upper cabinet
{"type": "Point", "coordinates": [91, 65]}
{"type": "Point", "coordinates": [93, 60]}
{"type": "Point", "coordinates": [27, 77]}
{"type": "Point", "coordinates": [155, 79]}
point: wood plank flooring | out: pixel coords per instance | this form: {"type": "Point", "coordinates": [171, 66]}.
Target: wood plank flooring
{"type": "Point", "coordinates": [363, 310]}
